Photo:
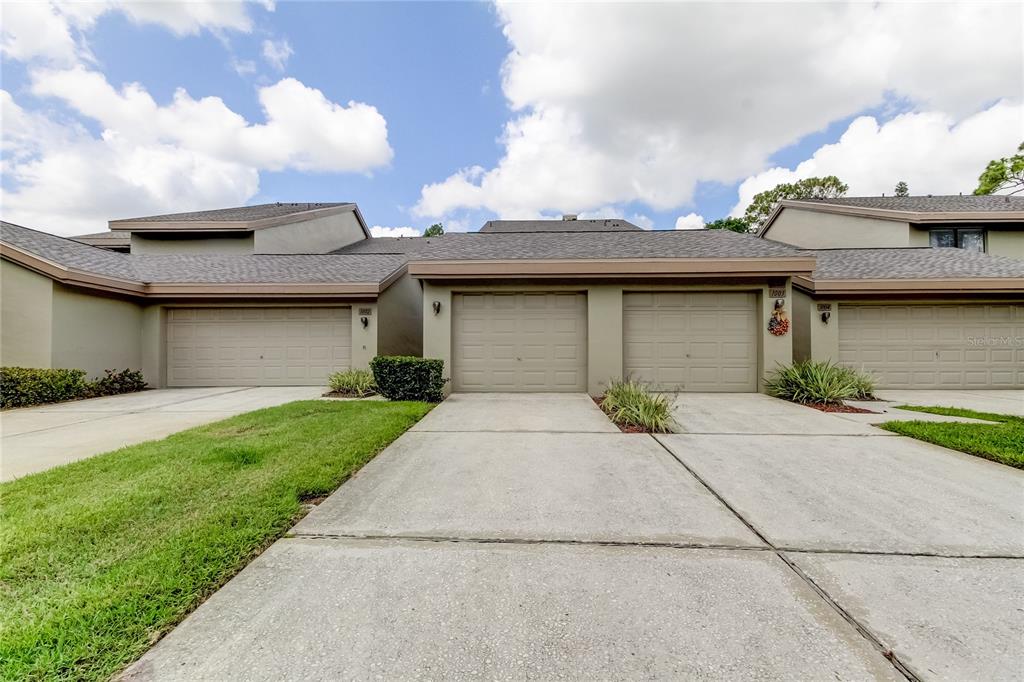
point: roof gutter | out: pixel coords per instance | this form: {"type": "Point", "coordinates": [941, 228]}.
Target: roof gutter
{"type": "Point", "coordinates": [911, 286]}
{"type": "Point", "coordinates": [582, 268]}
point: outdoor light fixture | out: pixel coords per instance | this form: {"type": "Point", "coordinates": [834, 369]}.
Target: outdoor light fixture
{"type": "Point", "coordinates": [779, 303]}
{"type": "Point", "coordinates": [437, 307]}
{"type": "Point", "coordinates": [365, 321]}
{"type": "Point", "coordinates": [825, 315]}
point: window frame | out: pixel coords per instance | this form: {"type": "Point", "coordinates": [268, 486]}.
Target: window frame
{"type": "Point", "coordinates": [957, 240]}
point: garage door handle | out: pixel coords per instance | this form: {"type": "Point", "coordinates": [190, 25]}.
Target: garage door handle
{"type": "Point", "coordinates": [519, 359]}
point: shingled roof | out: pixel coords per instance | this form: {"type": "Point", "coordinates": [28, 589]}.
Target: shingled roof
{"type": "Point", "coordinates": [236, 214]}
{"type": "Point", "coordinates": [911, 263]}
{"type": "Point", "coordinates": [926, 204]}
{"type": "Point", "coordinates": [574, 225]}
{"type": "Point", "coordinates": [577, 245]}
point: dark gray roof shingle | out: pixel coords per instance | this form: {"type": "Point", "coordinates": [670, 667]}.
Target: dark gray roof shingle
{"type": "Point", "coordinates": [237, 214]}
{"type": "Point", "coordinates": [572, 245]}
{"type": "Point", "coordinates": [610, 225]}
{"type": "Point", "coordinates": [69, 253]}
{"type": "Point", "coordinates": [911, 263]}
{"type": "Point", "coordinates": [933, 204]}
{"type": "Point", "coordinates": [269, 269]}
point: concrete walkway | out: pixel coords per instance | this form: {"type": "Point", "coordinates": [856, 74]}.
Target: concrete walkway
{"type": "Point", "coordinates": [1001, 402]}
{"type": "Point", "coordinates": [518, 537]}
{"type": "Point", "coordinates": [34, 439]}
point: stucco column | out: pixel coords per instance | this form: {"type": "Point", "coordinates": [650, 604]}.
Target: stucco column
{"type": "Point", "coordinates": [437, 327]}
{"type": "Point", "coordinates": [364, 339]}
{"type": "Point", "coordinates": [604, 336]}
{"type": "Point", "coordinates": [825, 335]}
{"type": "Point", "coordinates": [775, 350]}
{"type": "Point", "coordinates": [154, 345]}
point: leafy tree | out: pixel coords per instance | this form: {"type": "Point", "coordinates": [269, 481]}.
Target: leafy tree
{"type": "Point", "coordinates": [731, 224]}
{"type": "Point", "coordinates": [902, 190]}
{"type": "Point", "coordinates": [435, 230]}
{"type": "Point", "coordinates": [828, 187]}
{"type": "Point", "coordinates": [1003, 175]}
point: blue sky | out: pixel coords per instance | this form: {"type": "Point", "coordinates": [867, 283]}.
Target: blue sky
{"type": "Point", "coordinates": [668, 115]}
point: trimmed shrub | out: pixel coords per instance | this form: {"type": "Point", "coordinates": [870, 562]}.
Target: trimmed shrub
{"type": "Point", "coordinates": [818, 382]}
{"type": "Point", "coordinates": [22, 386]}
{"type": "Point", "coordinates": [403, 377]}
{"type": "Point", "coordinates": [356, 382]}
{"type": "Point", "coordinates": [115, 382]}
{"type": "Point", "coordinates": [630, 403]}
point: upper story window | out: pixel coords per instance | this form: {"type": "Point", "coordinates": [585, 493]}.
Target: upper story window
{"type": "Point", "coordinates": [970, 238]}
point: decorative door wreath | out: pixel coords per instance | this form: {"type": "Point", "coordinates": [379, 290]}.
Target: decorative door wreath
{"type": "Point", "coordinates": [778, 325]}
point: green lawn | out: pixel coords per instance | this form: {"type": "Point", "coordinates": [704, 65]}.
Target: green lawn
{"type": "Point", "coordinates": [1002, 442]}
{"type": "Point", "coordinates": [100, 558]}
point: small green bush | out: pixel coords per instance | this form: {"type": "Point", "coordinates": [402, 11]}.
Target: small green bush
{"type": "Point", "coordinates": [818, 382]}
{"type": "Point", "coordinates": [115, 382]}
{"type": "Point", "coordinates": [355, 382]}
{"type": "Point", "coordinates": [630, 403]}
{"type": "Point", "coordinates": [403, 377]}
{"type": "Point", "coordinates": [22, 386]}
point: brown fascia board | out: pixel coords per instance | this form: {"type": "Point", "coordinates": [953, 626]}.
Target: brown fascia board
{"type": "Point", "coordinates": [583, 268]}
{"type": "Point", "coordinates": [79, 278]}
{"type": "Point", "coordinates": [889, 214]}
{"type": "Point", "coordinates": [234, 225]}
{"type": "Point", "coordinates": [909, 286]}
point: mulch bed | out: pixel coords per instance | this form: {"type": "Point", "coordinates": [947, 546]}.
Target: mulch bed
{"type": "Point", "coordinates": [831, 407]}
{"type": "Point", "coordinates": [345, 394]}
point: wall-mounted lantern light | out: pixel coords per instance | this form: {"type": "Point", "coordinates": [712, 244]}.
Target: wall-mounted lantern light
{"type": "Point", "coordinates": [780, 303]}
{"type": "Point", "coordinates": [825, 315]}
{"type": "Point", "coordinates": [436, 305]}
{"type": "Point", "coordinates": [365, 321]}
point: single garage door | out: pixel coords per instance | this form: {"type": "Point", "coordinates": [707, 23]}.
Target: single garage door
{"type": "Point", "coordinates": [257, 346]}
{"type": "Point", "coordinates": [519, 342]}
{"type": "Point", "coordinates": [935, 346]}
{"type": "Point", "coordinates": [691, 341]}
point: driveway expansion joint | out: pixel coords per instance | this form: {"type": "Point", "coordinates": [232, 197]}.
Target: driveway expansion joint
{"type": "Point", "coordinates": [863, 630]}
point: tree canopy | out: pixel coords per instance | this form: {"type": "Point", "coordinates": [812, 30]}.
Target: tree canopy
{"type": "Point", "coordinates": [435, 230]}
{"type": "Point", "coordinates": [901, 189]}
{"type": "Point", "coordinates": [1003, 175]}
{"type": "Point", "coordinates": [828, 187]}
{"type": "Point", "coordinates": [731, 224]}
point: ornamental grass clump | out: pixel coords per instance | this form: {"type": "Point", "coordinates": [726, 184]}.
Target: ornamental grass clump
{"type": "Point", "coordinates": [631, 404]}
{"type": "Point", "coordinates": [358, 383]}
{"type": "Point", "coordinates": [822, 383]}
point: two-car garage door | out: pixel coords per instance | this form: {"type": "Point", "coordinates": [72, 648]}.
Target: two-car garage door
{"type": "Point", "coordinates": [537, 341]}
{"type": "Point", "coordinates": [257, 346]}
{"type": "Point", "coordinates": [935, 346]}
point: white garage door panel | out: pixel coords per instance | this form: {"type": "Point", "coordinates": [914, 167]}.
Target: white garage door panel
{"type": "Point", "coordinates": [935, 346]}
{"type": "Point", "coordinates": [257, 346]}
{"type": "Point", "coordinates": [702, 341]}
{"type": "Point", "coordinates": [519, 342]}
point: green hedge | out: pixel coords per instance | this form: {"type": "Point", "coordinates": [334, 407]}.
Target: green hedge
{"type": "Point", "coordinates": [24, 386]}
{"type": "Point", "coordinates": [403, 377]}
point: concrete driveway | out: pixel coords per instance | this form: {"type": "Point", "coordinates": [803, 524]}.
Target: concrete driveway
{"type": "Point", "coordinates": [1000, 402]}
{"type": "Point", "coordinates": [34, 439]}
{"type": "Point", "coordinates": [518, 536]}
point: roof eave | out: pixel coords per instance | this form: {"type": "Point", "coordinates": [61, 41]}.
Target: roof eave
{"type": "Point", "coordinates": [590, 268]}
{"type": "Point", "coordinates": [949, 285]}
{"type": "Point", "coordinates": [895, 215]}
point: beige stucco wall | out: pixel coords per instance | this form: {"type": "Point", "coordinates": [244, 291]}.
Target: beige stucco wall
{"type": "Point", "coordinates": [153, 246]}
{"type": "Point", "coordinates": [604, 323]}
{"type": "Point", "coordinates": [813, 338]}
{"type": "Point", "coordinates": [319, 235]}
{"type": "Point", "coordinates": [1009, 243]}
{"type": "Point", "coordinates": [95, 333]}
{"type": "Point", "coordinates": [819, 230]}
{"type": "Point", "coordinates": [364, 339]}
{"type": "Point", "coordinates": [26, 314]}
{"type": "Point", "coordinates": [401, 318]}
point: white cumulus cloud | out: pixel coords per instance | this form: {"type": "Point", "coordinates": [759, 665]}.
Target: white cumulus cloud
{"type": "Point", "coordinates": [929, 151]}
{"type": "Point", "coordinates": [277, 52]}
{"type": "Point", "coordinates": [381, 231]}
{"type": "Point", "coordinates": [690, 221]}
{"type": "Point", "coordinates": [630, 102]}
